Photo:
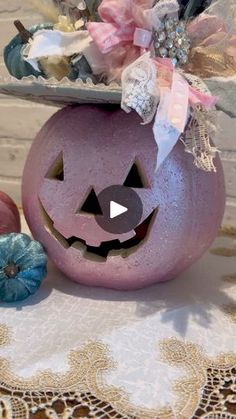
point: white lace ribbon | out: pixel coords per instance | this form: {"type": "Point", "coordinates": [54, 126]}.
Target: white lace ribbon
{"type": "Point", "coordinates": [140, 91]}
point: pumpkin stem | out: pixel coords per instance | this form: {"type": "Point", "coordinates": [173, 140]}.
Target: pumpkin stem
{"type": "Point", "coordinates": [11, 270]}
{"type": "Point", "coordinates": [25, 35]}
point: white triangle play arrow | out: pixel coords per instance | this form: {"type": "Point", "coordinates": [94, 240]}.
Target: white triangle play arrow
{"type": "Point", "coordinates": [116, 209]}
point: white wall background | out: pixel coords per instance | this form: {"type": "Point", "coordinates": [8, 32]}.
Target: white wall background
{"type": "Point", "coordinates": [20, 121]}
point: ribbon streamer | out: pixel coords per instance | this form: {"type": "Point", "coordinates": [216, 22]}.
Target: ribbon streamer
{"type": "Point", "coordinates": [171, 117]}
{"type": "Point", "coordinates": [166, 135]}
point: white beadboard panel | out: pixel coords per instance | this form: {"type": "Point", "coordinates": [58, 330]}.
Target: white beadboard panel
{"type": "Point", "coordinates": [226, 141]}
{"type": "Point", "coordinates": [8, 30]}
{"type": "Point", "coordinates": [11, 186]}
{"type": "Point", "coordinates": [14, 8]}
{"type": "Point", "coordinates": [19, 119]}
{"type": "Point", "coordinates": [228, 155]}
{"type": "Point", "coordinates": [13, 154]}
{"type": "Point", "coordinates": [230, 174]}
{"type": "Point", "coordinates": [226, 131]}
{"type": "Point", "coordinates": [230, 212]}
{"type": "Point", "coordinates": [3, 69]}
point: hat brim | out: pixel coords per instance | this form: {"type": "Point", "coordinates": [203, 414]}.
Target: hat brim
{"type": "Point", "coordinates": [54, 93]}
{"type": "Point", "coordinates": [60, 93]}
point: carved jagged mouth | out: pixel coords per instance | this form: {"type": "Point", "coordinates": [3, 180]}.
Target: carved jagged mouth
{"type": "Point", "coordinates": [107, 248]}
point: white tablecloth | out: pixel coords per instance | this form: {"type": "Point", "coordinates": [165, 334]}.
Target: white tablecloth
{"type": "Point", "coordinates": [168, 351]}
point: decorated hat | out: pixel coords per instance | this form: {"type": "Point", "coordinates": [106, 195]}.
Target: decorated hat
{"type": "Point", "coordinates": [167, 60]}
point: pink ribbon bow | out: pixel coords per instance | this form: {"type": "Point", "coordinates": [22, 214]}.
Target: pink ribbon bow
{"type": "Point", "coordinates": [128, 21]}
{"type": "Point", "coordinates": [120, 21]}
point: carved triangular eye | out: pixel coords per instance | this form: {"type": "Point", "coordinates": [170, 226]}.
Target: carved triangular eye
{"type": "Point", "coordinates": [56, 171]}
{"type": "Point", "coordinates": [91, 204]}
{"type": "Point", "coordinates": [135, 178]}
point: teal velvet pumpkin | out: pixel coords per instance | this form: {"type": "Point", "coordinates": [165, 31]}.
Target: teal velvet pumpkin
{"type": "Point", "coordinates": [23, 266]}
{"type": "Point", "coordinates": [13, 55]}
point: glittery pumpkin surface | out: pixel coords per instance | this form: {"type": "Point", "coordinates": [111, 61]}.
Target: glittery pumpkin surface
{"type": "Point", "coordinates": [99, 145]}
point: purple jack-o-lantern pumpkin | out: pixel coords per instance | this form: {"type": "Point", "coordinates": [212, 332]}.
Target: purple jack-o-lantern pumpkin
{"type": "Point", "coordinates": [83, 150]}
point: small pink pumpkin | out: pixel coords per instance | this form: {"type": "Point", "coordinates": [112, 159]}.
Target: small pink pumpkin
{"type": "Point", "coordinates": [9, 215]}
{"type": "Point", "coordinates": [85, 149]}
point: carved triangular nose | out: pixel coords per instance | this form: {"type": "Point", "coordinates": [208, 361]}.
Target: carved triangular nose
{"type": "Point", "coordinates": [91, 204]}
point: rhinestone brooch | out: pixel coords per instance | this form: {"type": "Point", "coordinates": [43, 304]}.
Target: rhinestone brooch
{"type": "Point", "coordinates": [172, 41]}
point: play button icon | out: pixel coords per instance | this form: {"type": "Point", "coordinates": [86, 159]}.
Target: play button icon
{"type": "Point", "coordinates": [116, 209]}
{"type": "Point", "coordinates": [121, 209]}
